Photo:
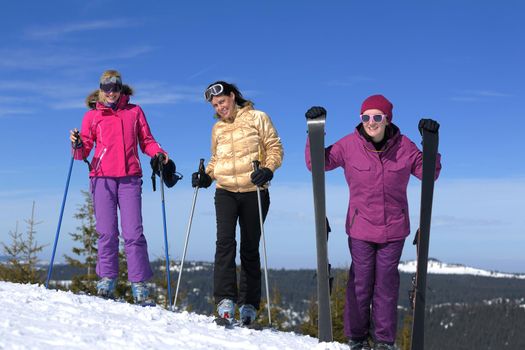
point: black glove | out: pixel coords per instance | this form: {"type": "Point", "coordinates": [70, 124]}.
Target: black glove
{"type": "Point", "coordinates": [200, 180]}
{"type": "Point", "coordinates": [156, 161]}
{"type": "Point", "coordinates": [170, 174]}
{"type": "Point", "coordinates": [429, 125]}
{"type": "Point", "coordinates": [315, 112]}
{"type": "Point", "coordinates": [261, 176]}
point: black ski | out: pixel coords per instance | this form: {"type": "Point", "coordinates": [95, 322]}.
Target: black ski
{"type": "Point", "coordinates": [317, 154]}
{"type": "Point", "coordinates": [224, 322]}
{"type": "Point", "coordinates": [430, 147]}
{"type": "Point", "coordinates": [221, 321]}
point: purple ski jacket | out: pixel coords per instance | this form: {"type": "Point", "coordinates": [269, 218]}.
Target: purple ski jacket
{"type": "Point", "coordinates": [378, 180]}
{"type": "Point", "coordinates": [115, 135]}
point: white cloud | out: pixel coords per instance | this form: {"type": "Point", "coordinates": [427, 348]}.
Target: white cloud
{"type": "Point", "coordinates": [57, 58]}
{"type": "Point", "coordinates": [12, 112]}
{"type": "Point", "coordinates": [54, 32]}
{"type": "Point", "coordinates": [478, 95]}
{"type": "Point", "coordinates": [350, 81]}
{"type": "Point", "coordinates": [202, 71]}
{"type": "Point", "coordinates": [487, 93]}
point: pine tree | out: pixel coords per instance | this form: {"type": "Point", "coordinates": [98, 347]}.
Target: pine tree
{"type": "Point", "coordinates": [309, 327]}
{"type": "Point", "coordinates": [161, 283]}
{"type": "Point", "coordinates": [87, 236]}
{"type": "Point", "coordinates": [279, 319]}
{"type": "Point", "coordinates": [22, 259]}
{"type": "Point", "coordinates": [404, 337]}
{"type": "Point", "coordinates": [123, 289]}
{"type": "Point", "coordinates": [337, 302]}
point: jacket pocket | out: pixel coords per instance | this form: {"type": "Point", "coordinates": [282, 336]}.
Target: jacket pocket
{"type": "Point", "coordinates": [360, 167]}
{"type": "Point", "coordinates": [397, 174]}
{"type": "Point", "coordinates": [360, 172]}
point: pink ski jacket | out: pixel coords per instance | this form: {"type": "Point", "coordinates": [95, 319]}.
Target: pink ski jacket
{"type": "Point", "coordinates": [378, 205]}
{"type": "Point", "coordinates": [115, 135]}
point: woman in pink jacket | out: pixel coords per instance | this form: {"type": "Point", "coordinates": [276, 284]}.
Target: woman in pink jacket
{"type": "Point", "coordinates": [115, 128]}
{"type": "Point", "coordinates": [377, 161]}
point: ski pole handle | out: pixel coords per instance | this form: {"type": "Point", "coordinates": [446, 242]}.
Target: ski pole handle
{"type": "Point", "coordinates": [78, 141]}
{"type": "Point", "coordinates": [256, 165]}
{"type": "Point", "coordinates": [153, 182]}
{"type": "Point", "coordinates": [161, 158]}
{"type": "Point", "coordinates": [201, 167]}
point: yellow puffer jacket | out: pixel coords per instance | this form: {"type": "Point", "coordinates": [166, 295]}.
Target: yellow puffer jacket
{"type": "Point", "coordinates": [235, 145]}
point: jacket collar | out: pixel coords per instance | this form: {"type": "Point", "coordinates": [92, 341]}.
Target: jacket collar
{"type": "Point", "coordinates": [392, 133]}
{"type": "Point", "coordinates": [121, 103]}
{"type": "Point", "coordinates": [239, 111]}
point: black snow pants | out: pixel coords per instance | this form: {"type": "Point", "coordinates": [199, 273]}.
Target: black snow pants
{"type": "Point", "coordinates": [230, 207]}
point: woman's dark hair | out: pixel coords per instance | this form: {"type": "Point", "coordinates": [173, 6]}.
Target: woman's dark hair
{"type": "Point", "coordinates": [228, 89]}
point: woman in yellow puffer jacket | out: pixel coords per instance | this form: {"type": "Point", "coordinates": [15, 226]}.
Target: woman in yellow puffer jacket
{"type": "Point", "coordinates": [240, 136]}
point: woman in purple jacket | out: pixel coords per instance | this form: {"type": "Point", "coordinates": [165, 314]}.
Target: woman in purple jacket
{"type": "Point", "coordinates": [377, 161]}
{"type": "Point", "coordinates": [116, 128]}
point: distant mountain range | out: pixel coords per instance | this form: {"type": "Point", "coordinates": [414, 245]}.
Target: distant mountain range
{"type": "Point", "coordinates": [434, 266]}
{"type": "Point", "coordinates": [437, 267]}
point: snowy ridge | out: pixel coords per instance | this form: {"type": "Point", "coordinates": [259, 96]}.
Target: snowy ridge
{"type": "Point", "coordinates": [36, 318]}
{"type": "Point", "coordinates": [437, 267]}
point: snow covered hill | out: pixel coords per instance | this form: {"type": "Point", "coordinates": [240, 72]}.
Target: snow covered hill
{"type": "Point", "coordinates": [36, 318]}
{"type": "Point", "coordinates": [437, 267]}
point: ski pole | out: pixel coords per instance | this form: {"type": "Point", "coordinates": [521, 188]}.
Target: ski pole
{"type": "Point", "coordinates": [168, 278]}
{"type": "Point", "coordinates": [201, 170]}
{"type": "Point", "coordinates": [255, 164]}
{"type": "Point", "coordinates": [50, 269]}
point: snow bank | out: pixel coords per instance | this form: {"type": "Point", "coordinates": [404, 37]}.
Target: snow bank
{"type": "Point", "coordinates": [36, 318]}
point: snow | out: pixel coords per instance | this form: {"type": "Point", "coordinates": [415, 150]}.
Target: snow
{"type": "Point", "coordinates": [36, 318]}
{"type": "Point", "coordinates": [437, 267]}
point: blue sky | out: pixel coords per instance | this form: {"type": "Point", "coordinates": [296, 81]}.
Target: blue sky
{"type": "Point", "coordinates": [459, 62]}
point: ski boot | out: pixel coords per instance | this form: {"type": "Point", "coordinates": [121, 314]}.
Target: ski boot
{"type": "Point", "coordinates": [226, 311]}
{"type": "Point", "coordinates": [248, 314]}
{"type": "Point", "coordinates": [106, 287]}
{"type": "Point", "coordinates": [140, 293]}
{"type": "Point", "coordinates": [384, 346]}
{"type": "Point", "coordinates": [359, 344]}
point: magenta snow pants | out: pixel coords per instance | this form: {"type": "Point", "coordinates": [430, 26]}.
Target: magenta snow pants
{"type": "Point", "coordinates": [372, 290]}
{"type": "Point", "coordinates": [125, 193]}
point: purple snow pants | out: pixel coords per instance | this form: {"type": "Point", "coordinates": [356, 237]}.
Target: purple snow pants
{"type": "Point", "coordinates": [373, 280]}
{"type": "Point", "coordinates": [125, 193]}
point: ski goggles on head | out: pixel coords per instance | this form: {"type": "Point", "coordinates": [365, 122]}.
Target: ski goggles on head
{"type": "Point", "coordinates": [378, 118]}
{"type": "Point", "coordinates": [111, 87]}
{"type": "Point", "coordinates": [111, 84]}
{"type": "Point", "coordinates": [214, 90]}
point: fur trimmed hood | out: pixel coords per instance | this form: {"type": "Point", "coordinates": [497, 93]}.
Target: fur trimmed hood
{"type": "Point", "coordinates": [93, 98]}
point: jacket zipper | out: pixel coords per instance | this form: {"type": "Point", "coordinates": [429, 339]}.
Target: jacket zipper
{"type": "Point", "coordinates": [406, 217]}
{"type": "Point", "coordinates": [126, 166]}
{"type": "Point", "coordinates": [356, 212]}
{"type": "Point", "coordinates": [100, 158]}
{"type": "Point", "coordinates": [134, 148]}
